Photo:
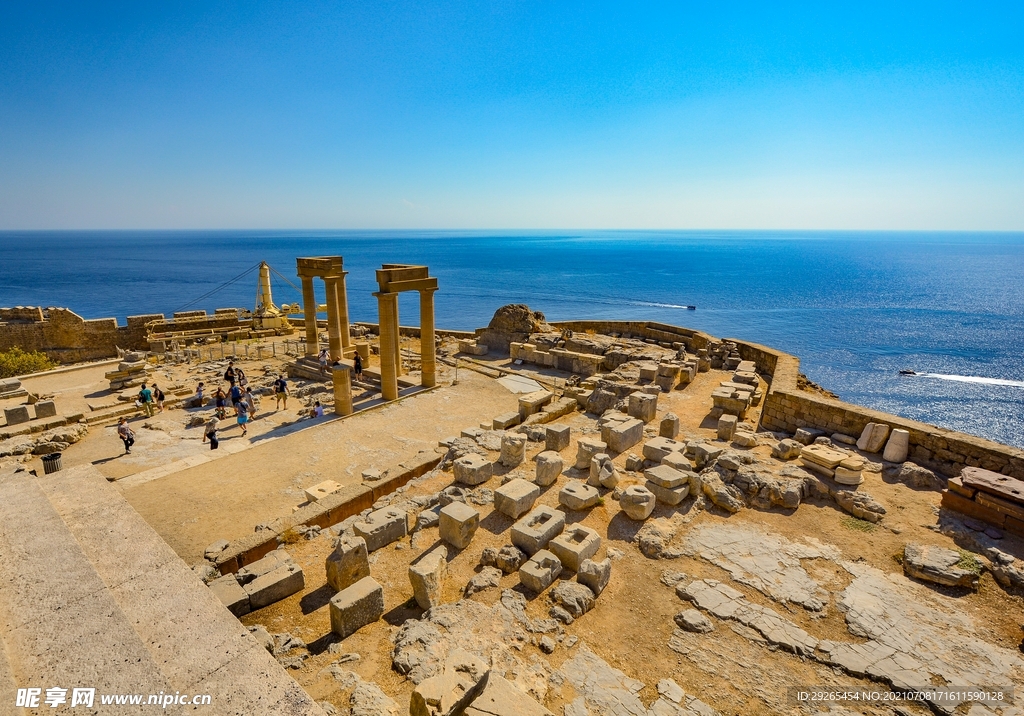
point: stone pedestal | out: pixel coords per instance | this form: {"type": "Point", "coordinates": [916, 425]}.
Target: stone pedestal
{"type": "Point", "coordinates": [428, 361]}
{"type": "Point", "coordinates": [342, 379]}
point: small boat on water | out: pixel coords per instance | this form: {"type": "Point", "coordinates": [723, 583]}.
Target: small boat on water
{"type": "Point", "coordinates": [907, 371]}
{"type": "Point", "coordinates": [691, 308]}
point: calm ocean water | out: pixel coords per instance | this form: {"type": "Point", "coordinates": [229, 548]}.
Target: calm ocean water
{"type": "Point", "coordinates": [856, 307]}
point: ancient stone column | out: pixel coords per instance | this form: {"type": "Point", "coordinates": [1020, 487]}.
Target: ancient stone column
{"type": "Point", "coordinates": [333, 322]}
{"type": "Point", "coordinates": [309, 309]}
{"type": "Point", "coordinates": [342, 389]}
{"type": "Point", "coordinates": [346, 332]}
{"type": "Point", "coordinates": [388, 330]}
{"type": "Point", "coordinates": [398, 339]}
{"type": "Point", "coordinates": [428, 363]}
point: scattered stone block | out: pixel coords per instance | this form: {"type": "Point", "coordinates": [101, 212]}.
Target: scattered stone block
{"type": "Point", "coordinates": [532, 403]}
{"type": "Point", "coordinates": [458, 524]}
{"type": "Point", "coordinates": [873, 437]}
{"type": "Point", "coordinates": [356, 606]}
{"type": "Point", "coordinates": [595, 575]}
{"type": "Point", "coordinates": [16, 415]}
{"type": "Point", "coordinates": [586, 448]}
{"type": "Point", "coordinates": [231, 594]}
{"type": "Point", "coordinates": [513, 449]}
{"type": "Point", "coordinates": [670, 486]}
{"type": "Point", "coordinates": [46, 409]}
{"type": "Point", "coordinates": [848, 472]}
{"type": "Point", "coordinates": [941, 566]}
{"type": "Point", "coordinates": [382, 527]}
{"type": "Point", "coordinates": [472, 469]}
{"type": "Point", "coordinates": [703, 453]}
{"type": "Point", "coordinates": [806, 436]}
{"type": "Point", "coordinates": [843, 439]}
{"type": "Point", "coordinates": [549, 467]}
{"type": "Point", "coordinates": [347, 563]}
{"type": "Point", "coordinates": [427, 575]}
{"type": "Point", "coordinates": [634, 463]}
{"type": "Point", "coordinates": [787, 449]}
{"type": "Point", "coordinates": [578, 496]}
{"type": "Point", "coordinates": [657, 449]}
{"type": "Point", "coordinates": [637, 502]}
{"type": "Point", "coordinates": [678, 461]}
{"type": "Point", "coordinates": [556, 437]}
{"type": "Point", "coordinates": [534, 531]}
{"type": "Point", "coordinates": [515, 497]}
{"type": "Point", "coordinates": [540, 571]}
{"type": "Point", "coordinates": [603, 472]}
{"type": "Point", "coordinates": [283, 581]}
{"type": "Point", "coordinates": [574, 545]}
{"type": "Point", "coordinates": [727, 427]}
{"type": "Point", "coordinates": [214, 550]}
{"type": "Point", "coordinates": [643, 406]}
{"type": "Point", "coordinates": [898, 446]}
{"type": "Point", "coordinates": [669, 427]}
{"type": "Point", "coordinates": [623, 435]}
{"type": "Point", "coordinates": [321, 490]}
{"type": "Point", "coordinates": [744, 438]}
{"type": "Point", "coordinates": [504, 421]}
{"type": "Point", "coordinates": [692, 620]}
{"type": "Point", "coordinates": [575, 598]}
{"type": "Point", "coordinates": [472, 433]}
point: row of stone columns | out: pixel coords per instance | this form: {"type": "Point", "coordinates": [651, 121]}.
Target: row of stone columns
{"type": "Point", "coordinates": [390, 342]}
{"type": "Point", "coordinates": [339, 340]}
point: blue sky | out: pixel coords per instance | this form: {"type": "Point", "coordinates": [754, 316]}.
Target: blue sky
{"type": "Point", "coordinates": [511, 115]}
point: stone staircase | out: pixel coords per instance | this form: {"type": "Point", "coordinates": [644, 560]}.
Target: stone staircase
{"type": "Point", "coordinates": [92, 597]}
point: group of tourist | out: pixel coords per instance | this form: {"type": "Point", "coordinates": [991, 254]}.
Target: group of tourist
{"type": "Point", "coordinates": [324, 358]}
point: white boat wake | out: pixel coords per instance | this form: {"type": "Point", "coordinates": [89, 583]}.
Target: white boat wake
{"type": "Point", "coordinates": [974, 379]}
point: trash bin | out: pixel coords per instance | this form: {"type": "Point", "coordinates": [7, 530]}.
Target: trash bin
{"type": "Point", "coordinates": [51, 463]}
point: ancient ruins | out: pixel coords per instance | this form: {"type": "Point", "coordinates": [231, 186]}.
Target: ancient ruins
{"type": "Point", "coordinates": [578, 518]}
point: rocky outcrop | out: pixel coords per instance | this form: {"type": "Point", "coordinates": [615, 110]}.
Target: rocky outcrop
{"type": "Point", "coordinates": [514, 322]}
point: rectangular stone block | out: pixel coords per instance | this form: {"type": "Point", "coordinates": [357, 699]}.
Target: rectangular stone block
{"type": "Point", "coordinates": [267, 564]}
{"type": "Point", "coordinates": [231, 594]}
{"type": "Point", "coordinates": [382, 527]}
{"type": "Point", "coordinates": [643, 406]}
{"type": "Point", "coordinates": [665, 476]}
{"type": "Point", "coordinates": [532, 403]}
{"type": "Point", "coordinates": [678, 461]}
{"type": "Point", "coordinates": [657, 449]}
{"type": "Point", "coordinates": [956, 485]}
{"type": "Point", "coordinates": [17, 414]}
{"type": "Point", "coordinates": [578, 496]}
{"type": "Point", "coordinates": [534, 531]}
{"type": "Point", "coordinates": [556, 437]}
{"type": "Point", "coordinates": [347, 563]}
{"type": "Point", "coordinates": [669, 427]}
{"type": "Point", "coordinates": [46, 409]}
{"type": "Point", "coordinates": [427, 575]}
{"type": "Point", "coordinates": [505, 421]}
{"type": "Point", "coordinates": [727, 427]}
{"type": "Point", "coordinates": [549, 467]}
{"type": "Point", "coordinates": [994, 483]}
{"type": "Point", "coordinates": [671, 496]}
{"type": "Point", "coordinates": [586, 448]}
{"type": "Point", "coordinates": [540, 571]}
{"type": "Point", "coordinates": [953, 501]}
{"type": "Point", "coordinates": [574, 545]}
{"type": "Point", "coordinates": [621, 436]}
{"type": "Point", "coordinates": [458, 524]}
{"type": "Point", "coordinates": [281, 582]}
{"type": "Point", "coordinates": [356, 606]}
{"type": "Point", "coordinates": [516, 497]}
{"type": "Point", "coordinates": [320, 490]}
{"type": "Point", "coordinates": [472, 469]}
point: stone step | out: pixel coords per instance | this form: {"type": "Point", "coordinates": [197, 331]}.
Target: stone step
{"type": "Point", "coordinates": [199, 645]}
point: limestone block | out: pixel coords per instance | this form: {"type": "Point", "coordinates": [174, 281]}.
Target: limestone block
{"type": "Point", "coordinates": [898, 446]}
{"type": "Point", "coordinates": [458, 524]}
{"type": "Point", "coordinates": [534, 531]}
{"type": "Point", "coordinates": [356, 606]}
{"type": "Point", "coordinates": [595, 575]}
{"type": "Point", "coordinates": [427, 575]}
{"type": "Point", "coordinates": [657, 449]}
{"type": "Point", "coordinates": [46, 409]}
{"type": "Point", "coordinates": [515, 497]}
{"type": "Point", "coordinates": [532, 402]}
{"type": "Point", "coordinates": [556, 437]}
{"type": "Point", "coordinates": [623, 435]}
{"type": "Point", "coordinates": [539, 573]}
{"type": "Point", "coordinates": [320, 490]}
{"type": "Point", "coordinates": [578, 496]}
{"type": "Point", "coordinates": [743, 376]}
{"type": "Point", "coordinates": [213, 550]}
{"type": "Point", "coordinates": [549, 467]}
{"type": "Point", "coordinates": [806, 436]}
{"type": "Point", "coordinates": [586, 448]}
{"type": "Point", "coordinates": [574, 545]}
{"type": "Point", "coordinates": [347, 563]}
{"type": "Point", "coordinates": [283, 581]}
{"type": "Point", "coordinates": [727, 427]}
{"type": "Point", "coordinates": [502, 698]}
{"type": "Point", "coordinates": [703, 453]}
{"type": "Point", "coordinates": [938, 565]}
{"type": "Point", "coordinates": [505, 421]}
{"type": "Point", "coordinates": [382, 527]}
{"type": "Point", "coordinates": [822, 455]}
{"type": "Point", "coordinates": [634, 463]}
{"type": "Point", "coordinates": [471, 433]}
{"type": "Point", "coordinates": [472, 469]}
{"type": "Point", "coordinates": [669, 427]}
{"type": "Point", "coordinates": [843, 439]}
{"type": "Point", "coordinates": [637, 502]}
{"type": "Point", "coordinates": [666, 477]}
{"type": "Point", "coordinates": [787, 449]}
{"type": "Point", "coordinates": [678, 461]}
{"type": "Point", "coordinates": [257, 569]}
{"type": "Point", "coordinates": [744, 438]}
{"type": "Point", "coordinates": [643, 406]}
{"type": "Point", "coordinates": [231, 594]}
{"type": "Point", "coordinates": [873, 437]}
{"type": "Point", "coordinates": [17, 414]}
{"type": "Point", "coordinates": [669, 496]}
{"type": "Point", "coordinates": [513, 449]}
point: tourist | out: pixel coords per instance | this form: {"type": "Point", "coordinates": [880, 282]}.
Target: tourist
{"type": "Point", "coordinates": [281, 391]}
{"type": "Point", "coordinates": [158, 396]}
{"type": "Point", "coordinates": [250, 400]}
{"type": "Point", "coordinates": [229, 374]}
{"type": "Point", "coordinates": [323, 361]}
{"type": "Point", "coordinates": [242, 411]}
{"type": "Point", "coordinates": [210, 433]}
{"type": "Point", "coordinates": [358, 367]}
{"type": "Point", "coordinates": [242, 380]}
{"type": "Point", "coordinates": [318, 410]}
{"type": "Point", "coordinates": [126, 434]}
{"type": "Point", "coordinates": [199, 395]}
{"type": "Point", "coordinates": [146, 398]}
{"type": "Point", "coordinates": [221, 401]}
{"type": "Point", "coordinates": [236, 395]}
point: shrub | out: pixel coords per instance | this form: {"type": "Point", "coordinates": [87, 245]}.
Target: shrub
{"type": "Point", "coordinates": [18, 362]}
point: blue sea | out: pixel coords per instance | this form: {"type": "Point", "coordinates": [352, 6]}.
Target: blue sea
{"type": "Point", "coordinates": [855, 306]}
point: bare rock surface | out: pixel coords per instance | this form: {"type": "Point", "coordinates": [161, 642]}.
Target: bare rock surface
{"type": "Point", "coordinates": [940, 565]}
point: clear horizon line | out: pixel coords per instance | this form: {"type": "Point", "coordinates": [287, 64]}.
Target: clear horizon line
{"type": "Point", "coordinates": [530, 229]}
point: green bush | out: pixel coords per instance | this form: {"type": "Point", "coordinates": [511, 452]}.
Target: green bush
{"type": "Point", "coordinates": [18, 362]}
